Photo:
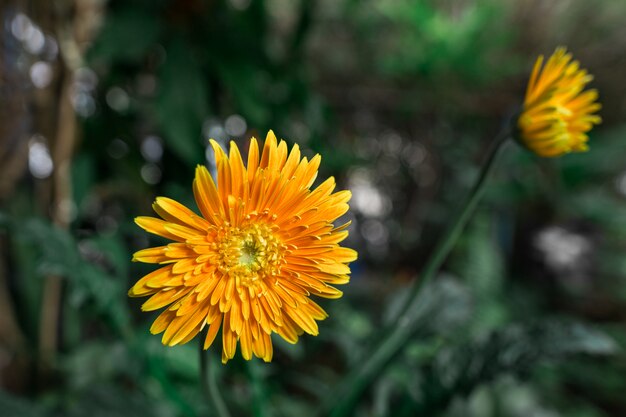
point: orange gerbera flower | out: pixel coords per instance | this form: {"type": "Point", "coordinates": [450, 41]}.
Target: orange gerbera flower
{"type": "Point", "coordinates": [264, 243]}
{"type": "Point", "coordinates": [557, 113]}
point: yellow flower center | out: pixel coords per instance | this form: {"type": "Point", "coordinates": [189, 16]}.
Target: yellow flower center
{"type": "Point", "coordinates": [249, 253]}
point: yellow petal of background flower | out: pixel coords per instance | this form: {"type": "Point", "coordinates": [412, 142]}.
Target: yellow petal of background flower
{"type": "Point", "coordinates": [557, 114]}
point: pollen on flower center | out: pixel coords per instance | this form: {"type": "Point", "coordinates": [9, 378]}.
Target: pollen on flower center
{"type": "Point", "coordinates": [249, 253]}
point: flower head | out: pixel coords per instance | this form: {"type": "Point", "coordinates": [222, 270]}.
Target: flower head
{"type": "Point", "coordinates": [264, 243]}
{"type": "Point", "coordinates": [557, 113]}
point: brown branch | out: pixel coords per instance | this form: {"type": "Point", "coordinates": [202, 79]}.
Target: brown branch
{"type": "Point", "coordinates": [74, 35]}
{"type": "Point", "coordinates": [62, 149]}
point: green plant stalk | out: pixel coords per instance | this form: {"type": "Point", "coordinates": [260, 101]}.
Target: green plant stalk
{"type": "Point", "coordinates": [208, 382]}
{"type": "Point", "coordinates": [257, 388]}
{"type": "Point", "coordinates": [351, 387]}
{"type": "Point", "coordinates": [455, 228]}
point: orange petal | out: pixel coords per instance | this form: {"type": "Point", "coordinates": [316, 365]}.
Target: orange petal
{"type": "Point", "coordinates": [175, 212]}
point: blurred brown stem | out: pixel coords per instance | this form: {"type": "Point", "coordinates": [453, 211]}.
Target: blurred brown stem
{"type": "Point", "coordinates": [61, 206]}
{"type": "Point", "coordinates": [12, 341]}
{"type": "Point", "coordinates": [75, 28]}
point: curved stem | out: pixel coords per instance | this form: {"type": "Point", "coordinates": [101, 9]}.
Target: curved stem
{"type": "Point", "coordinates": [455, 228]}
{"type": "Point", "coordinates": [208, 382]}
{"type": "Point", "coordinates": [351, 387]}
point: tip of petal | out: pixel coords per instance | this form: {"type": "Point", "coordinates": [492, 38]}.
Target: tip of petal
{"type": "Point", "coordinates": [200, 168]}
{"type": "Point", "coordinates": [217, 148]}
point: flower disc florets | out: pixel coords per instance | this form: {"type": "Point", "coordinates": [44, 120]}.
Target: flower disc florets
{"type": "Point", "coordinates": [249, 253]}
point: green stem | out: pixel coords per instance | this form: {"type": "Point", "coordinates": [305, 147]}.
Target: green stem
{"type": "Point", "coordinates": [351, 387]}
{"type": "Point", "coordinates": [455, 228]}
{"type": "Point", "coordinates": [208, 381]}
{"type": "Point", "coordinates": [258, 389]}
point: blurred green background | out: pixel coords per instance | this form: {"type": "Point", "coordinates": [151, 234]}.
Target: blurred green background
{"type": "Point", "coordinates": [107, 104]}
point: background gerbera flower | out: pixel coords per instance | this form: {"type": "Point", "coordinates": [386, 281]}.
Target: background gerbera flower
{"type": "Point", "coordinates": [265, 242]}
{"type": "Point", "coordinates": [557, 113]}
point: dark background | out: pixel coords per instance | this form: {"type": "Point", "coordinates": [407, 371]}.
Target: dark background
{"type": "Point", "coordinates": [105, 105]}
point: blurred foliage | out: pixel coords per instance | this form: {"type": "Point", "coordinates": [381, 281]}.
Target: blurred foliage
{"type": "Point", "coordinates": [457, 42]}
{"type": "Point", "coordinates": [400, 98]}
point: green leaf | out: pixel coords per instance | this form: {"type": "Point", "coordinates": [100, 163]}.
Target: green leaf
{"type": "Point", "coordinates": [479, 260]}
{"type": "Point", "coordinates": [114, 250]}
{"type": "Point", "coordinates": [4, 219]}
{"type": "Point", "coordinates": [182, 361]}
{"type": "Point", "coordinates": [16, 407]}
{"type": "Point", "coordinates": [240, 78]}
{"type": "Point", "coordinates": [182, 103]}
{"type": "Point", "coordinates": [516, 350]}
{"type": "Point", "coordinates": [58, 254]}
{"type": "Point", "coordinates": [108, 399]}
{"type": "Point", "coordinates": [83, 177]}
{"type": "Point", "coordinates": [104, 361]}
{"type": "Point", "coordinates": [125, 37]}
{"type": "Point", "coordinates": [442, 306]}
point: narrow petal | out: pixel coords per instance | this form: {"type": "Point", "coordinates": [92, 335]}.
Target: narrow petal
{"type": "Point", "coordinates": [206, 196]}
{"type": "Point", "coordinates": [175, 212]}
